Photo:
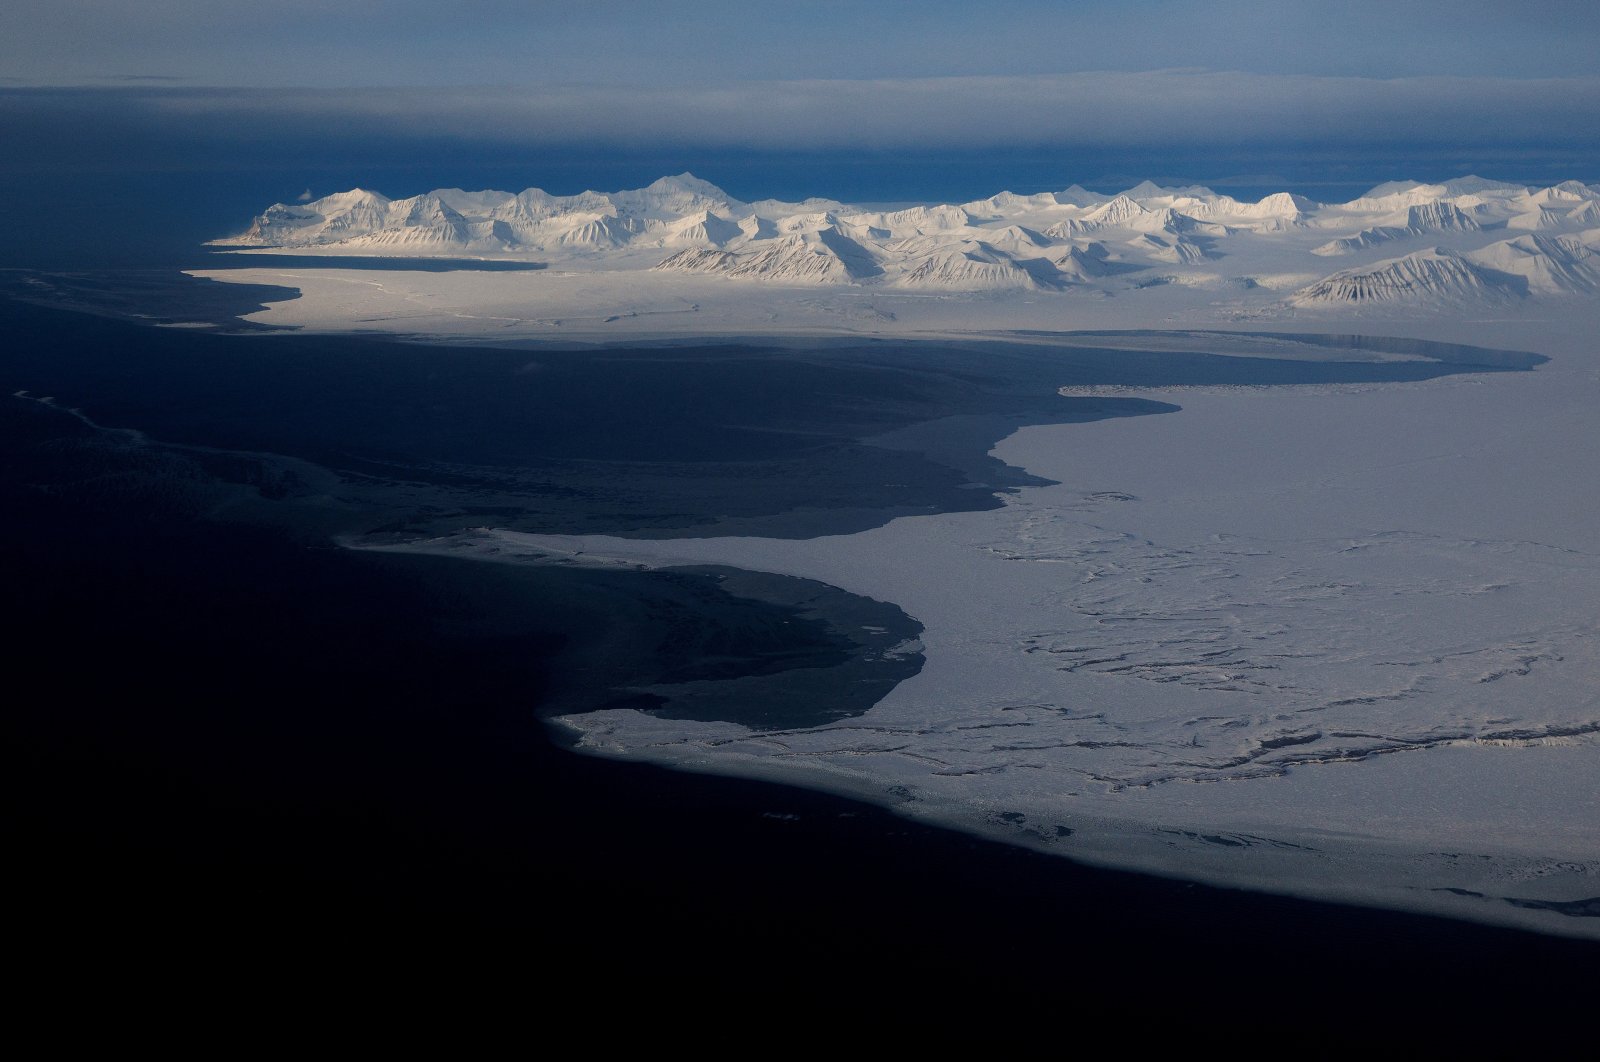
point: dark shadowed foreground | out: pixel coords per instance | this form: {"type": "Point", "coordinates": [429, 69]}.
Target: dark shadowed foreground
{"type": "Point", "coordinates": [246, 759]}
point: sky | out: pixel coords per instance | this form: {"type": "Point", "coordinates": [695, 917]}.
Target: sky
{"type": "Point", "coordinates": [920, 92]}
{"type": "Point", "coordinates": [311, 43]}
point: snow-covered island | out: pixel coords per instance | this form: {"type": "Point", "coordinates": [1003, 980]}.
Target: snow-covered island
{"type": "Point", "coordinates": [1402, 245]}
{"type": "Point", "coordinates": [1338, 640]}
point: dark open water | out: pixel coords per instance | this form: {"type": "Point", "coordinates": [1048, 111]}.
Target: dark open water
{"type": "Point", "coordinates": [245, 749]}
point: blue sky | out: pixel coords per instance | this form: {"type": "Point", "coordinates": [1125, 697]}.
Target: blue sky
{"type": "Point", "coordinates": [1164, 87]}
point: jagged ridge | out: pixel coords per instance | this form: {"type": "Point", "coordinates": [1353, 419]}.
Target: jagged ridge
{"type": "Point", "coordinates": [1038, 241]}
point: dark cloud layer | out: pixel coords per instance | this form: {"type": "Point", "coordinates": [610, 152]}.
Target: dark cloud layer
{"type": "Point", "coordinates": [937, 94]}
{"type": "Point", "coordinates": [650, 43]}
{"type": "Point", "coordinates": [1179, 110]}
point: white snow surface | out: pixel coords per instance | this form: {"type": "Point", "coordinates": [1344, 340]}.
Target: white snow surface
{"type": "Point", "coordinates": [1338, 641]}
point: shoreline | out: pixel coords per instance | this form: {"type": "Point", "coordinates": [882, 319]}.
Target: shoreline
{"type": "Point", "coordinates": [1461, 384]}
{"type": "Point", "coordinates": [836, 763]}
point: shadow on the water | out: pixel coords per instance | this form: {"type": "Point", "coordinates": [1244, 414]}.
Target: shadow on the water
{"type": "Point", "coordinates": [160, 297]}
{"type": "Point", "coordinates": [372, 437]}
{"type": "Point", "coordinates": [1200, 340]}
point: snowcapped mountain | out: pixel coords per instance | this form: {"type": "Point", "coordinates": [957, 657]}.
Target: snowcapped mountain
{"type": "Point", "coordinates": [1397, 195]}
{"type": "Point", "coordinates": [1515, 268]}
{"type": "Point", "coordinates": [1546, 265]}
{"type": "Point", "coordinates": [1362, 240]}
{"type": "Point", "coordinates": [1426, 276]}
{"type": "Point", "coordinates": [1439, 215]}
{"type": "Point", "coordinates": [810, 256]}
{"type": "Point", "coordinates": [700, 229]}
{"type": "Point", "coordinates": [1122, 212]}
{"type": "Point", "coordinates": [1440, 244]}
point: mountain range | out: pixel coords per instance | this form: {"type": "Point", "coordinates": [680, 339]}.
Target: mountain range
{"type": "Point", "coordinates": [1469, 239]}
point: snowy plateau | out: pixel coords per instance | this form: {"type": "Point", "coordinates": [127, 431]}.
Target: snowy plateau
{"type": "Point", "coordinates": [1337, 640]}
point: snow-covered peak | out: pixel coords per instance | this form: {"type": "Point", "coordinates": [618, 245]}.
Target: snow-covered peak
{"type": "Point", "coordinates": [1077, 195]}
{"type": "Point", "coordinates": [1569, 192]}
{"type": "Point", "coordinates": [1284, 204]}
{"type": "Point", "coordinates": [340, 201]}
{"type": "Point", "coordinates": [425, 209]}
{"type": "Point", "coordinates": [822, 219]}
{"type": "Point", "coordinates": [1417, 190]}
{"type": "Point", "coordinates": [1010, 204]}
{"type": "Point", "coordinates": [1438, 215]}
{"type": "Point", "coordinates": [1118, 211]}
{"type": "Point", "coordinates": [1476, 193]}
{"type": "Point", "coordinates": [1546, 264]}
{"type": "Point", "coordinates": [701, 229]}
{"type": "Point", "coordinates": [1146, 190]}
{"type": "Point", "coordinates": [915, 221]}
{"type": "Point", "coordinates": [779, 208]}
{"type": "Point", "coordinates": [1017, 238]}
{"type": "Point", "coordinates": [472, 202]}
{"type": "Point", "coordinates": [673, 197]}
{"type": "Point", "coordinates": [1393, 188]}
{"type": "Point", "coordinates": [686, 182]}
{"type": "Point", "coordinates": [1434, 276]}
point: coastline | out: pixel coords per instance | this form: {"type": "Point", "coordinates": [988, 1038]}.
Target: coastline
{"type": "Point", "coordinates": [1183, 397]}
{"type": "Point", "coordinates": [1426, 863]}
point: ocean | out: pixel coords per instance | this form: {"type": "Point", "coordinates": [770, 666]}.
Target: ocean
{"type": "Point", "coordinates": [247, 741]}
{"type": "Point", "coordinates": [252, 752]}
